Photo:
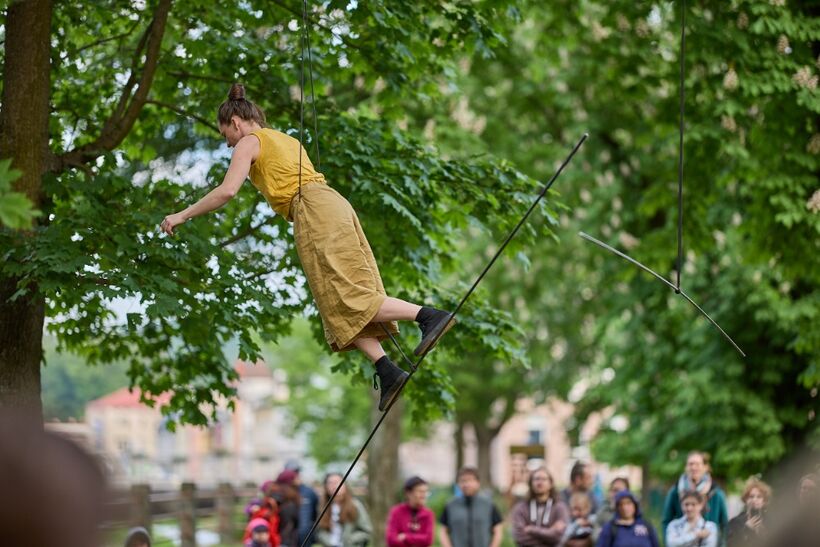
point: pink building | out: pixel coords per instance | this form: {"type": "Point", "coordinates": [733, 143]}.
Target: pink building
{"type": "Point", "coordinates": [249, 444]}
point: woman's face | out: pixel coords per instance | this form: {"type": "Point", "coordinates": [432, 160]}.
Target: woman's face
{"type": "Point", "coordinates": [231, 132]}
{"type": "Point", "coordinates": [626, 508]}
{"type": "Point", "coordinates": [418, 495]}
{"type": "Point", "coordinates": [541, 483]}
{"type": "Point", "coordinates": [808, 490]}
{"type": "Point", "coordinates": [755, 499]}
{"type": "Point", "coordinates": [332, 483]}
{"type": "Point", "coordinates": [695, 467]}
{"type": "Point", "coordinates": [691, 508]}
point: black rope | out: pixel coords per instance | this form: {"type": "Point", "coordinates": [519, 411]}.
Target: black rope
{"type": "Point", "coordinates": [398, 347]}
{"type": "Point", "coordinates": [668, 283]}
{"type": "Point", "coordinates": [680, 146]}
{"type": "Point", "coordinates": [301, 96]}
{"type": "Point", "coordinates": [674, 286]}
{"type": "Point", "coordinates": [312, 95]}
{"type": "Point", "coordinates": [414, 366]}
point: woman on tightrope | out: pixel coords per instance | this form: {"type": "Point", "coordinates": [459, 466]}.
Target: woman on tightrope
{"type": "Point", "coordinates": [335, 255]}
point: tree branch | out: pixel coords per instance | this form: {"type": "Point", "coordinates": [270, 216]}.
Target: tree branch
{"type": "Point", "coordinates": [109, 39]}
{"type": "Point", "coordinates": [118, 125]}
{"type": "Point", "coordinates": [244, 233]}
{"type": "Point", "coordinates": [185, 113]}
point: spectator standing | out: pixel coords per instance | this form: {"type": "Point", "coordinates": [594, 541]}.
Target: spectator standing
{"type": "Point", "coordinates": [470, 520]}
{"type": "Point", "coordinates": [692, 530]}
{"type": "Point", "coordinates": [346, 523]}
{"type": "Point", "coordinates": [287, 495]}
{"type": "Point", "coordinates": [541, 519]}
{"type": "Point", "coordinates": [411, 524]}
{"type": "Point", "coordinates": [627, 528]}
{"type": "Point", "coordinates": [308, 504]}
{"type": "Point", "coordinates": [607, 510]}
{"type": "Point", "coordinates": [268, 511]}
{"type": "Point", "coordinates": [808, 491]}
{"type": "Point", "coordinates": [580, 480]}
{"type": "Point", "coordinates": [798, 520]}
{"type": "Point", "coordinates": [750, 525]}
{"type": "Point", "coordinates": [581, 530]}
{"type": "Point", "coordinates": [696, 477]}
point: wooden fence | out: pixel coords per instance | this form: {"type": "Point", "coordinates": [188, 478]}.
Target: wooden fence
{"type": "Point", "coordinates": [141, 506]}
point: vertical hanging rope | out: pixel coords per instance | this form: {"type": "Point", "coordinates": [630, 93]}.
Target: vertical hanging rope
{"type": "Point", "coordinates": [304, 42]}
{"type": "Point", "coordinates": [301, 95]}
{"type": "Point", "coordinates": [679, 266]}
{"type": "Point", "coordinates": [680, 146]}
{"type": "Point", "coordinates": [306, 24]}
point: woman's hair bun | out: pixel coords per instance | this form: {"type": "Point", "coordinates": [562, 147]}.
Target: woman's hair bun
{"type": "Point", "coordinates": [237, 92]}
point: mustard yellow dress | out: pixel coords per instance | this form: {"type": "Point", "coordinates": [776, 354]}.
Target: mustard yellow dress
{"type": "Point", "coordinates": [335, 255]}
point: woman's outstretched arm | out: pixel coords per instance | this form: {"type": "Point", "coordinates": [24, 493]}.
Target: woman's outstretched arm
{"type": "Point", "coordinates": [245, 152]}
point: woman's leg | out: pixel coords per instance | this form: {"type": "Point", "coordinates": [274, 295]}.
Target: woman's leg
{"type": "Point", "coordinates": [370, 347]}
{"type": "Point", "coordinates": [433, 322]}
{"type": "Point", "coordinates": [394, 309]}
{"type": "Point", "coordinates": [391, 378]}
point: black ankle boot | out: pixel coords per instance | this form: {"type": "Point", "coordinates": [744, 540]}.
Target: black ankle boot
{"type": "Point", "coordinates": [391, 378]}
{"type": "Point", "coordinates": [433, 324]}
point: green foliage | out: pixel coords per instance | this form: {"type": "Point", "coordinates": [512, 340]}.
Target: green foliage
{"type": "Point", "coordinates": [16, 209]}
{"type": "Point", "coordinates": [118, 291]}
{"type": "Point", "coordinates": [751, 224]}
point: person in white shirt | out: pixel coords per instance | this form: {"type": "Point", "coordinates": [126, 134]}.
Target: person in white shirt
{"type": "Point", "coordinates": [692, 530]}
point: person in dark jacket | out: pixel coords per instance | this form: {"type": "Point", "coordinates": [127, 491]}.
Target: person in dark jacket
{"type": "Point", "coordinates": [470, 520]}
{"type": "Point", "coordinates": [750, 525]}
{"type": "Point", "coordinates": [287, 495]}
{"type": "Point", "coordinates": [308, 504]}
{"type": "Point", "coordinates": [627, 528]}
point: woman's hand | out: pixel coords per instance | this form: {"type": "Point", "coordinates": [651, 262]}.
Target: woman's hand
{"type": "Point", "coordinates": [702, 534]}
{"type": "Point", "coordinates": [171, 222]}
{"type": "Point", "coordinates": [754, 522]}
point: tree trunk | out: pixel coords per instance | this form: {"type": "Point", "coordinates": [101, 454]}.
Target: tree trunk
{"type": "Point", "coordinates": [484, 437]}
{"type": "Point", "coordinates": [383, 469]}
{"type": "Point", "coordinates": [458, 435]}
{"type": "Point", "coordinates": [24, 138]}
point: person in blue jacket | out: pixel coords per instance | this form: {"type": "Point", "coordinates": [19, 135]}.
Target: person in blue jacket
{"type": "Point", "coordinates": [627, 528]}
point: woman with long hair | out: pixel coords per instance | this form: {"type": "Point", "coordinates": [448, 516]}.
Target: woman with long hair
{"type": "Point", "coordinates": [346, 523]}
{"type": "Point", "coordinates": [337, 260]}
{"type": "Point", "coordinates": [539, 520]}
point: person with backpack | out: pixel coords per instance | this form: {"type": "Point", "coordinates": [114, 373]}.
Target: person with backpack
{"type": "Point", "coordinates": [627, 528]}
